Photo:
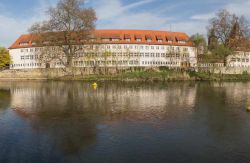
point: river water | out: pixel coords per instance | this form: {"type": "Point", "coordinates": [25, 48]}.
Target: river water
{"type": "Point", "coordinates": [124, 122]}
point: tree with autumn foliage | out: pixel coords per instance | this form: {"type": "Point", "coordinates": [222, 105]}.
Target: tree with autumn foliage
{"type": "Point", "coordinates": [223, 24]}
{"type": "Point", "coordinates": [226, 31]}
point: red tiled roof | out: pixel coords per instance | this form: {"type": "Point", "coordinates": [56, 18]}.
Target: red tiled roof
{"type": "Point", "coordinates": [122, 34]}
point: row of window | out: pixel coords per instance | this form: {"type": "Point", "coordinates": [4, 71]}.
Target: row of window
{"type": "Point", "coordinates": [124, 62]}
{"type": "Point", "coordinates": [93, 63]}
{"type": "Point", "coordinates": [158, 63]}
{"type": "Point", "coordinates": [26, 65]}
{"type": "Point", "coordinates": [125, 55]}
{"type": "Point", "coordinates": [31, 57]}
{"type": "Point", "coordinates": [245, 54]}
{"type": "Point", "coordinates": [140, 40]}
{"type": "Point", "coordinates": [114, 63]}
{"type": "Point", "coordinates": [232, 65]}
{"type": "Point", "coordinates": [239, 59]}
{"type": "Point", "coordinates": [137, 39]}
{"type": "Point", "coordinates": [125, 47]}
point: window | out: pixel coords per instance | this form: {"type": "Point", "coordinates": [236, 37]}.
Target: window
{"type": "Point", "coordinates": [24, 43]}
{"type": "Point", "coordinates": [115, 39]}
{"type": "Point", "coordinates": [138, 39]}
{"type": "Point", "coordinates": [149, 40]}
{"type": "Point", "coordinates": [105, 40]}
{"type": "Point", "coordinates": [181, 42]}
{"type": "Point", "coordinates": [127, 39]}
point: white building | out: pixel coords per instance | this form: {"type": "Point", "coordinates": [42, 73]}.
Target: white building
{"type": "Point", "coordinates": [127, 48]}
{"type": "Point", "coordinates": [239, 59]}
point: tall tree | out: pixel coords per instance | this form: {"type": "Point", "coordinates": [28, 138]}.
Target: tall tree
{"type": "Point", "coordinates": [4, 58]}
{"type": "Point", "coordinates": [212, 40]}
{"type": "Point", "coordinates": [223, 23]}
{"type": "Point", "coordinates": [199, 42]}
{"type": "Point", "coordinates": [70, 25]}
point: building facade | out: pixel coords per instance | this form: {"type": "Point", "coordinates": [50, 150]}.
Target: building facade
{"type": "Point", "coordinates": [239, 59]}
{"type": "Point", "coordinates": [115, 48]}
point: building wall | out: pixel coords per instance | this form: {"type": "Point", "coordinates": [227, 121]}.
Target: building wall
{"type": "Point", "coordinates": [239, 59]}
{"type": "Point", "coordinates": [122, 55]}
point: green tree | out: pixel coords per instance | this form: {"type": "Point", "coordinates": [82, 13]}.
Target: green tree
{"type": "Point", "coordinates": [222, 52]}
{"type": "Point", "coordinates": [200, 43]}
{"type": "Point", "coordinates": [4, 57]}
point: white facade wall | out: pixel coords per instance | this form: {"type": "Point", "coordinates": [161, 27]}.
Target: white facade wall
{"type": "Point", "coordinates": [239, 59]}
{"type": "Point", "coordinates": [125, 55]}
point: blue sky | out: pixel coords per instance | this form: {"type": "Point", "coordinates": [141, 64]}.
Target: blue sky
{"type": "Point", "coordinates": [190, 16]}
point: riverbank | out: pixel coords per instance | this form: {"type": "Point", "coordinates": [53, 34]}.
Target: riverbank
{"type": "Point", "coordinates": [161, 76]}
{"type": "Point", "coordinates": [135, 74]}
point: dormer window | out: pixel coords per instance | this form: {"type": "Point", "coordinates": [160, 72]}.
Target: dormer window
{"type": "Point", "coordinates": [127, 38]}
{"type": "Point", "coordinates": [148, 38]}
{"type": "Point", "coordinates": [24, 43]}
{"type": "Point", "coordinates": [105, 39]}
{"type": "Point", "coordinates": [115, 39]}
{"type": "Point", "coordinates": [181, 40]}
{"type": "Point", "coordinates": [169, 39]}
{"type": "Point", "coordinates": [138, 38]}
{"type": "Point", "coordinates": [159, 38]}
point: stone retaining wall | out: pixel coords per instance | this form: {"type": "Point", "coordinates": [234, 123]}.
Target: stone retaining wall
{"type": "Point", "coordinates": [226, 70]}
{"type": "Point", "coordinates": [57, 72]}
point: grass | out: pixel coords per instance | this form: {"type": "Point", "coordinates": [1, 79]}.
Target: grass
{"type": "Point", "coordinates": [162, 75]}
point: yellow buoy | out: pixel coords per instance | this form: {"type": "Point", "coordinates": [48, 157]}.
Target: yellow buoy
{"type": "Point", "coordinates": [248, 108]}
{"type": "Point", "coordinates": [94, 85]}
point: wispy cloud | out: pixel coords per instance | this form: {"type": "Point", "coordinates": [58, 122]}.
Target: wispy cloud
{"type": "Point", "coordinates": [185, 16]}
{"type": "Point", "coordinates": [11, 27]}
{"type": "Point", "coordinates": [115, 14]}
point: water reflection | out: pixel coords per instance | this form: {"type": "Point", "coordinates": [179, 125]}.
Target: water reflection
{"type": "Point", "coordinates": [4, 99]}
{"type": "Point", "coordinates": [64, 99]}
{"type": "Point", "coordinates": [73, 121]}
